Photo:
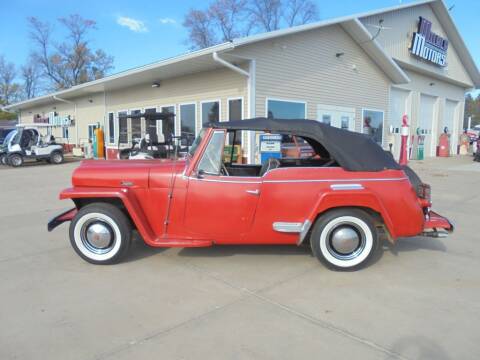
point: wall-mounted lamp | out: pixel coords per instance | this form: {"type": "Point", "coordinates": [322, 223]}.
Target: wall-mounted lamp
{"type": "Point", "coordinates": [339, 54]}
{"type": "Point", "coordinates": [156, 85]}
{"type": "Point", "coordinates": [90, 101]}
{"type": "Point", "coordinates": [431, 84]}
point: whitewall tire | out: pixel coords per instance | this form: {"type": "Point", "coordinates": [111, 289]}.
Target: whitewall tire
{"type": "Point", "coordinates": [344, 239]}
{"type": "Point", "coordinates": [100, 233]}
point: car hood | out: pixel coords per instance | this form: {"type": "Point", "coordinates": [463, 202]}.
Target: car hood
{"type": "Point", "coordinates": [118, 173]}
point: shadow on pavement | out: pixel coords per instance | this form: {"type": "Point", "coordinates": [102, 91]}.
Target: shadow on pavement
{"type": "Point", "coordinates": [416, 243]}
{"type": "Point", "coordinates": [231, 250]}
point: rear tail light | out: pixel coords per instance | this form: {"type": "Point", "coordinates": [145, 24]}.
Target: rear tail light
{"type": "Point", "coordinates": [424, 191]}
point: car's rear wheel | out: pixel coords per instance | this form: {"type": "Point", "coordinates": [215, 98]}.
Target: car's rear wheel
{"type": "Point", "coordinates": [56, 157]}
{"type": "Point", "coordinates": [15, 160]}
{"type": "Point", "coordinates": [345, 239]}
{"type": "Point", "coordinates": [3, 159]}
{"type": "Point", "coordinates": [100, 233]}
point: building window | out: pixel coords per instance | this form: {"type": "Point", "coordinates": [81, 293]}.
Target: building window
{"type": "Point", "coordinates": [91, 131]}
{"type": "Point", "coordinates": [111, 128]}
{"type": "Point", "coordinates": [136, 125]}
{"type": "Point", "coordinates": [65, 132]}
{"type": "Point", "coordinates": [167, 127]}
{"type": "Point", "coordinates": [373, 125]}
{"type": "Point", "coordinates": [151, 125]}
{"type": "Point", "coordinates": [187, 123]}
{"type": "Point", "coordinates": [327, 119]}
{"type": "Point", "coordinates": [235, 112]}
{"type": "Point", "coordinates": [345, 122]}
{"type": "Point", "coordinates": [210, 111]}
{"type": "Point", "coordinates": [281, 109]}
{"type": "Point", "coordinates": [122, 127]}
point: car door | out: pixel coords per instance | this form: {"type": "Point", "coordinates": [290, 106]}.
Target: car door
{"type": "Point", "coordinates": [218, 206]}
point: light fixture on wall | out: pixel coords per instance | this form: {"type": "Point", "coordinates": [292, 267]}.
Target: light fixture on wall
{"type": "Point", "coordinates": [432, 84]}
{"type": "Point", "coordinates": [155, 85]}
{"type": "Point", "coordinates": [90, 101]}
{"type": "Point", "coordinates": [339, 54]}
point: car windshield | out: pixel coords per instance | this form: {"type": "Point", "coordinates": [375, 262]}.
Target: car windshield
{"type": "Point", "coordinates": [10, 135]}
{"type": "Point", "coordinates": [197, 142]}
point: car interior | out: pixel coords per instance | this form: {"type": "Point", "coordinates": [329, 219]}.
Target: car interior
{"type": "Point", "coordinates": [314, 156]}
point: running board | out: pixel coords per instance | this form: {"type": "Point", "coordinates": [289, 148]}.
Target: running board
{"type": "Point", "coordinates": [181, 243]}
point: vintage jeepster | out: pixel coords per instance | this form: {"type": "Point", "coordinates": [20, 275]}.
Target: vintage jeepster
{"type": "Point", "coordinates": [343, 200]}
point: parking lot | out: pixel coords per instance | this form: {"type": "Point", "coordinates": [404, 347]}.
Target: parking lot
{"type": "Point", "coordinates": [419, 300]}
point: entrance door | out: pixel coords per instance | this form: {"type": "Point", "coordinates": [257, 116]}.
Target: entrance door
{"type": "Point", "coordinates": [425, 122]}
{"type": "Point", "coordinates": [398, 108]}
{"type": "Point", "coordinates": [449, 122]}
{"type": "Point", "coordinates": [219, 205]}
{"type": "Point", "coordinates": [337, 116]}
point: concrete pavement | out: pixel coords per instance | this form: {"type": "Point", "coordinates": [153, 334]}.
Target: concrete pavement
{"type": "Point", "coordinates": [418, 301]}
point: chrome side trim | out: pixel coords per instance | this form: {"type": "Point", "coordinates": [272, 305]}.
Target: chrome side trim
{"type": "Point", "coordinates": [287, 227]}
{"type": "Point", "coordinates": [331, 180]}
{"type": "Point", "coordinates": [226, 181]}
{"type": "Point", "coordinates": [346, 187]}
{"type": "Point", "coordinates": [305, 229]}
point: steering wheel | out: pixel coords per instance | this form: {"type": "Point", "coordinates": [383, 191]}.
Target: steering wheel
{"type": "Point", "coordinates": [223, 170]}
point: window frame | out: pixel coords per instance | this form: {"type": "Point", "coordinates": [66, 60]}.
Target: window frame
{"type": "Point", "coordinates": [114, 128]}
{"type": "Point", "coordinates": [304, 102]}
{"type": "Point", "coordinates": [96, 126]}
{"type": "Point", "coordinates": [210, 101]}
{"type": "Point", "coordinates": [118, 127]}
{"type": "Point", "coordinates": [129, 124]}
{"type": "Point", "coordinates": [383, 121]}
{"type": "Point", "coordinates": [195, 118]}
{"type": "Point", "coordinates": [175, 125]}
{"type": "Point", "coordinates": [197, 167]}
{"type": "Point", "coordinates": [241, 98]}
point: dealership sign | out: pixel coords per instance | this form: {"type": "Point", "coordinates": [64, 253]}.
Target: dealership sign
{"type": "Point", "coordinates": [428, 45]}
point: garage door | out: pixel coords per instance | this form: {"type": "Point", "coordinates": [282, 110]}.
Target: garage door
{"type": "Point", "coordinates": [450, 123]}
{"type": "Point", "coordinates": [398, 108]}
{"type": "Point", "coordinates": [425, 122]}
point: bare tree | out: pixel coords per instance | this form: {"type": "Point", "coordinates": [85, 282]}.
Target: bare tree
{"type": "Point", "coordinates": [200, 28]}
{"type": "Point", "coordinates": [72, 61]}
{"type": "Point", "coordinates": [298, 12]}
{"type": "Point", "coordinates": [228, 16]}
{"type": "Point", "coordinates": [30, 76]}
{"type": "Point", "coordinates": [266, 14]}
{"type": "Point", "coordinates": [225, 20]}
{"type": "Point", "coordinates": [9, 88]}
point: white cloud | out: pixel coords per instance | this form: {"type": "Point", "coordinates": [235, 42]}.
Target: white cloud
{"type": "Point", "coordinates": [133, 24]}
{"type": "Point", "coordinates": [167, 21]}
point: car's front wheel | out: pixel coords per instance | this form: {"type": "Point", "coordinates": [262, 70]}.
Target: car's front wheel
{"type": "Point", "coordinates": [56, 157]}
{"type": "Point", "coordinates": [15, 160]}
{"type": "Point", "coordinates": [345, 239]}
{"type": "Point", "coordinates": [100, 233]}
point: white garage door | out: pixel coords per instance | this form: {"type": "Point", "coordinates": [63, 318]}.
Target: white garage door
{"type": "Point", "coordinates": [449, 122]}
{"type": "Point", "coordinates": [425, 122]}
{"type": "Point", "coordinates": [398, 108]}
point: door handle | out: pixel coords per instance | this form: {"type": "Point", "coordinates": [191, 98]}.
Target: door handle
{"type": "Point", "coordinates": [253, 192]}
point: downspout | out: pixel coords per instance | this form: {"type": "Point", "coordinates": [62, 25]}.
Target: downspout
{"type": "Point", "coordinates": [250, 75]}
{"type": "Point", "coordinates": [75, 112]}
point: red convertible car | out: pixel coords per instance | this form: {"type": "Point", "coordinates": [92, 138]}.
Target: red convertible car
{"type": "Point", "coordinates": [340, 200]}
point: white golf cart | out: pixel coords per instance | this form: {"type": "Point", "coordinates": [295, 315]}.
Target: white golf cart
{"type": "Point", "coordinates": [28, 142]}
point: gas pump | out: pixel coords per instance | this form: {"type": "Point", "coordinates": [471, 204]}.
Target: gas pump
{"type": "Point", "coordinates": [270, 147]}
{"type": "Point", "coordinates": [420, 145]}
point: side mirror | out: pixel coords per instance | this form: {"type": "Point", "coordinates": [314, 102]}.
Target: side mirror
{"type": "Point", "coordinates": [200, 174]}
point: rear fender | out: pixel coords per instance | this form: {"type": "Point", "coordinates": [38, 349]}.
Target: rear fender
{"type": "Point", "coordinates": [341, 199]}
{"type": "Point", "coordinates": [128, 199]}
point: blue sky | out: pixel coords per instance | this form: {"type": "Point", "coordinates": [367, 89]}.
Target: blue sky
{"type": "Point", "coordinates": [143, 31]}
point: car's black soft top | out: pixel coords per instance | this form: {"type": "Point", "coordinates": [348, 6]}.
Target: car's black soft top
{"type": "Point", "coordinates": [352, 151]}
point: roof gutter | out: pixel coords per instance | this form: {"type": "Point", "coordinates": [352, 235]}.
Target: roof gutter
{"type": "Point", "coordinates": [229, 65]}
{"type": "Point", "coordinates": [55, 97]}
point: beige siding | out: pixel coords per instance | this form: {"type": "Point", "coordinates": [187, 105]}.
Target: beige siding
{"type": "Point", "coordinates": [220, 84]}
{"type": "Point", "coordinates": [304, 67]}
{"type": "Point", "coordinates": [397, 36]}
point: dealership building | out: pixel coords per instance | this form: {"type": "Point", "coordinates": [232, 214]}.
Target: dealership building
{"type": "Point", "coordinates": [362, 72]}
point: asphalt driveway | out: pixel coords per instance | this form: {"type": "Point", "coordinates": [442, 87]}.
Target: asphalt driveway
{"type": "Point", "coordinates": [418, 301]}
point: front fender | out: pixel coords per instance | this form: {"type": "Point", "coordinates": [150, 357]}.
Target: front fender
{"type": "Point", "coordinates": [364, 199]}
{"type": "Point", "coordinates": [128, 199]}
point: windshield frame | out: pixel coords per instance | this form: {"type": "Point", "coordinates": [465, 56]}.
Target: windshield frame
{"type": "Point", "coordinates": [196, 143]}
{"type": "Point", "coordinates": [9, 136]}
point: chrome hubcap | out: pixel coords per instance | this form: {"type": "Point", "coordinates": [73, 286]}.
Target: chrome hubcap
{"type": "Point", "coordinates": [346, 242]}
{"type": "Point", "coordinates": [57, 158]}
{"type": "Point", "coordinates": [98, 236]}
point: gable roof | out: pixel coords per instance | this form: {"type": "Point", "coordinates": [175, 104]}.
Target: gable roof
{"type": "Point", "coordinates": [202, 60]}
